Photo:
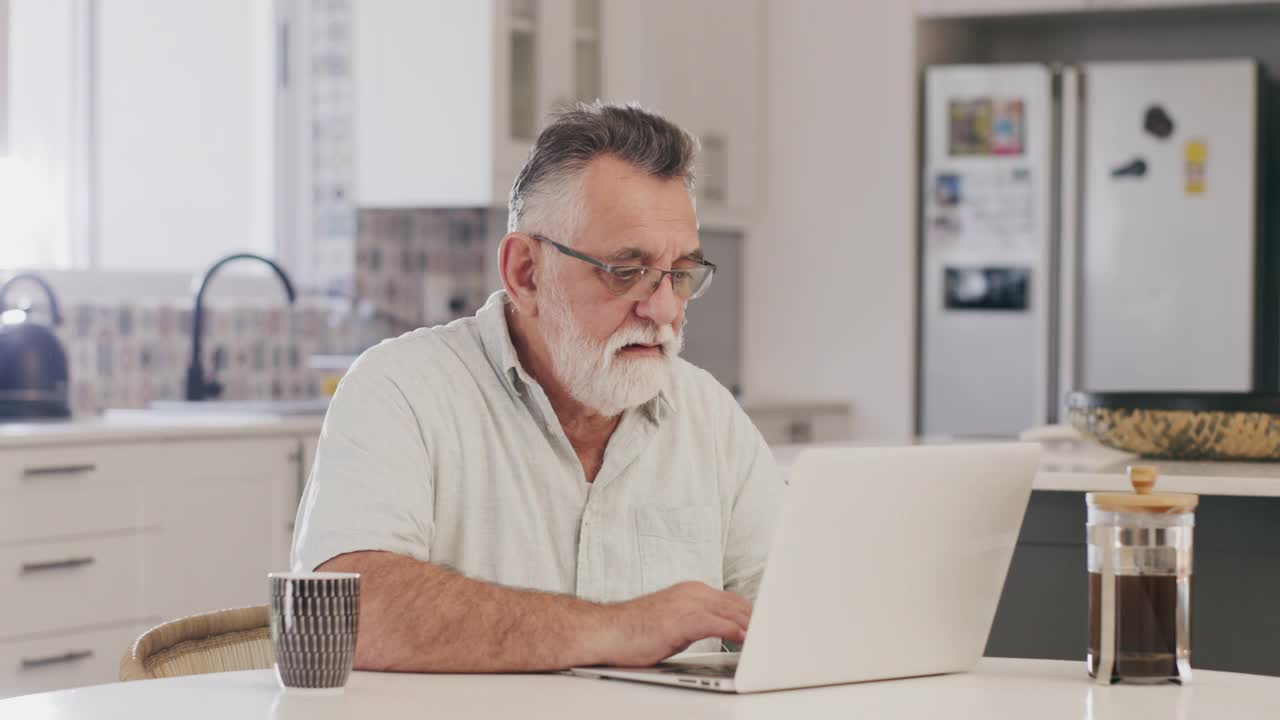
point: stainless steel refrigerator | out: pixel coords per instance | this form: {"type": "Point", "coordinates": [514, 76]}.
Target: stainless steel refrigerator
{"type": "Point", "coordinates": [1089, 227]}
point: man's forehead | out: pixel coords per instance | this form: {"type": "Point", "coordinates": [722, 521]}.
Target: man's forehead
{"type": "Point", "coordinates": [648, 218]}
{"type": "Point", "coordinates": [649, 239]}
{"type": "Point", "coordinates": [627, 252]}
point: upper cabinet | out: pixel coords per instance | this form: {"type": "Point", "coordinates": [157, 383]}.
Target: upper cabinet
{"type": "Point", "coordinates": [702, 65]}
{"type": "Point", "coordinates": [961, 8]}
{"type": "Point", "coordinates": [450, 95]}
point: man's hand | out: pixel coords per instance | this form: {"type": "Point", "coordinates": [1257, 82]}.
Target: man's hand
{"type": "Point", "coordinates": [649, 629]}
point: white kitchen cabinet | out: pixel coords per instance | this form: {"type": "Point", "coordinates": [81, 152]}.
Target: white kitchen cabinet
{"type": "Point", "coordinates": [287, 491]}
{"type": "Point", "coordinates": [45, 585]}
{"type": "Point", "coordinates": [701, 64]}
{"type": "Point", "coordinates": [55, 492]}
{"type": "Point", "coordinates": [213, 522]}
{"type": "Point", "coordinates": [149, 530]}
{"type": "Point", "coordinates": [450, 95]}
{"type": "Point", "coordinates": [63, 660]}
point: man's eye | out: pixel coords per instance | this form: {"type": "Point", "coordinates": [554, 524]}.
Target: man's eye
{"type": "Point", "coordinates": [628, 274]}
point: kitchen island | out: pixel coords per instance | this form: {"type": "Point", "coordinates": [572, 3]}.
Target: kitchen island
{"type": "Point", "coordinates": [1236, 567]}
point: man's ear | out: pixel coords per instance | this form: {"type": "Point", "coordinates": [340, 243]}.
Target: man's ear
{"type": "Point", "coordinates": [518, 260]}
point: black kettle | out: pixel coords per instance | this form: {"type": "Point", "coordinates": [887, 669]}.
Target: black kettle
{"type": "Point", "coordinates": [33, 364]}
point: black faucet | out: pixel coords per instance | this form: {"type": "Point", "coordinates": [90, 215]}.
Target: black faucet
{"type": "Point", "coordinates": [197, 387]}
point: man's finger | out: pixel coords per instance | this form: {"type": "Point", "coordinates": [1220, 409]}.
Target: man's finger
{"type": "Point", "coordinates": [724, 629]}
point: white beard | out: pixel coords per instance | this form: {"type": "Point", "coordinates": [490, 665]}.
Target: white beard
{"type": "Point", "coordinates": [594, 374]}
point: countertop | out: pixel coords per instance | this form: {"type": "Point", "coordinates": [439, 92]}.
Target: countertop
{"type": "Point", "coordinates": [996, 688]}
{"type": "Point", "coordinates": [1067, 465]}
{"type": "Point", "coordinates": [145, 426]}
{"type": "Point", "coordinates": [1082, 466]}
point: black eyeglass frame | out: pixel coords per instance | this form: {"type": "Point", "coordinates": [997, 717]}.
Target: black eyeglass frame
{"type": "Point", "coordinates": [614, 270]}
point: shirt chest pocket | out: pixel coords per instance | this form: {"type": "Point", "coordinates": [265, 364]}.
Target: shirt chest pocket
{"type": "Point", "coordinates": [679, 543]}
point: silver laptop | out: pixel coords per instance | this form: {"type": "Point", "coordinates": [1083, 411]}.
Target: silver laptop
{"type": "Point", "coordinates": [886, 563]}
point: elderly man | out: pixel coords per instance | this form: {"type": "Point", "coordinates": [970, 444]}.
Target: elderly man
{"type": "Point", "coordinates": [547, 484]}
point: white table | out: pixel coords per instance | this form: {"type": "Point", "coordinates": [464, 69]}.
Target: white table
{"type": "Point", "coordinates": [997, 688]}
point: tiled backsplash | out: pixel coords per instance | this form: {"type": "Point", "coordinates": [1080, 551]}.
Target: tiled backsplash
{"type": "Point", "coordinates": [427, 267]}
{"type": "Point", "coordinates": [413, 268]}
{"type": "Point", "coordinates": [130, 355]}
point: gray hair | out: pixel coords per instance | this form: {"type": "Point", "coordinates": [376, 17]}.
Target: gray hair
{"type": "Point", "coordinates": [546, 193]}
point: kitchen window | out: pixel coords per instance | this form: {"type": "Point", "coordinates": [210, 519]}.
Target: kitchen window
{"type": "Point", "coordinates": [41, 154]}
{"type": "Point", "coordinates": [142, 136]}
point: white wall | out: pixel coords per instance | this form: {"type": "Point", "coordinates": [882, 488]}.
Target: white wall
{"type": "Point", "coordinates": [184, 128]}
{"type": "Point", "coordinates": [831, 268]}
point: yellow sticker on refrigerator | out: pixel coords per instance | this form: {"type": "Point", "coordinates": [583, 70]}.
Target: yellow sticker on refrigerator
{"type": "Point", "coordinates": [1196, 152]}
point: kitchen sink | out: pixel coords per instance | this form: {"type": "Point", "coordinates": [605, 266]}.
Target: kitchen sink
{"type": "Point", "coordinates": [314, 406]}
{"type": "Point", "coordinates": [215, 412]}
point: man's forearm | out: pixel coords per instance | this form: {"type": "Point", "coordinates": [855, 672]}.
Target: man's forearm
{"type": "Point", "coordinates": [419, 617]}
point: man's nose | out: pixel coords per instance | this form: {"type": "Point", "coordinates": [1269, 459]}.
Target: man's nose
{"type": "Point", "coordinates": [663, 306]}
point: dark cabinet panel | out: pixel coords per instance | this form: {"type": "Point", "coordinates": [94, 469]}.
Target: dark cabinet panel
{"type": "Point", "coordinates": [1234, 623]}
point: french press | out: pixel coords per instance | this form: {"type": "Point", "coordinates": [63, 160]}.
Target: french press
{"type": "Point", "coordinates": [1140, 583]}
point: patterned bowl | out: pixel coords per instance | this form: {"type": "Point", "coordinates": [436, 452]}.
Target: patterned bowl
{"type": "Point", "coordinates": [1181, 426]}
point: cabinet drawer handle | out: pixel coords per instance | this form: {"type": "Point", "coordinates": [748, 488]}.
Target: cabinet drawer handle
{"type": "Point", "coordinates": [75, 562]}
{"type": "Point", "coordinates": [51, 470]}
{"type": "Point", "coordinates": [67, 657]}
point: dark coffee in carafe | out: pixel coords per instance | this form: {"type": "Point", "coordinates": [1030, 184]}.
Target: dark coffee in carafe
{"type": "Point", "coordinates": [1146, 638]}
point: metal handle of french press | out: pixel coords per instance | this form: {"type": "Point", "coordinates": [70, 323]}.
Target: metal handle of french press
{"type": "Point", "coordinates": [1107, 638]}
{"type": "Point", "coordinates": [1182, 616]}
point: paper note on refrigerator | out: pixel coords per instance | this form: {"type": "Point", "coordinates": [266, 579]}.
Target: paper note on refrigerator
{"type": "Point", "coordinates": [980, 211]}
{"type": "Point", "coordinates": [1002, 205]}
{"type": "Point", "coordinates": [1197, 153]}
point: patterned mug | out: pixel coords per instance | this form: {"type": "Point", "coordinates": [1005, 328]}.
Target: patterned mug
{"type": "Point", "coordinates": [315, 618]}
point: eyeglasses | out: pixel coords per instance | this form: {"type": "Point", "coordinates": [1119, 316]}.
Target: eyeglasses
{"type": "Point", "coordinates": [639, 282]}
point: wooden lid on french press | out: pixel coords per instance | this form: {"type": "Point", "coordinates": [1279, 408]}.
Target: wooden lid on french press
{"type": "Point", "coordinates": [1143, 499]}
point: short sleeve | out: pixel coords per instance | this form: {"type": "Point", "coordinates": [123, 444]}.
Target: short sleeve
{"type": "Point", "coordinates": [370, 487]}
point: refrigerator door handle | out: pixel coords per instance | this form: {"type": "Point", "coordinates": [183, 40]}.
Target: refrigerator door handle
{"type": "Point", "coordinates": [1044, 405]}
{"type": "Point", "coordinates": [1070, 145]}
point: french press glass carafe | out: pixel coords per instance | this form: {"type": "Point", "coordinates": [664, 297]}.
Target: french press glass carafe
{"type": "Point", "coordinates": [1140, 583]}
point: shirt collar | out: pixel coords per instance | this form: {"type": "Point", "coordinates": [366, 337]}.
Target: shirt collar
{"type": "Point", "coordinates": [661, 406]}
{"type": "Point", "coordinates": [495, 334]}
{"type": "Point", "coordinates": [496, 337]}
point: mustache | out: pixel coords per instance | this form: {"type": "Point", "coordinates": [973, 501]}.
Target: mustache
{"type": "Point", "coordinates": [663, 335]}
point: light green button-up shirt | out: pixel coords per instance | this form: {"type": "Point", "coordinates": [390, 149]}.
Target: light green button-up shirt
{"type": "Point", "coordinates": [438, 445]}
